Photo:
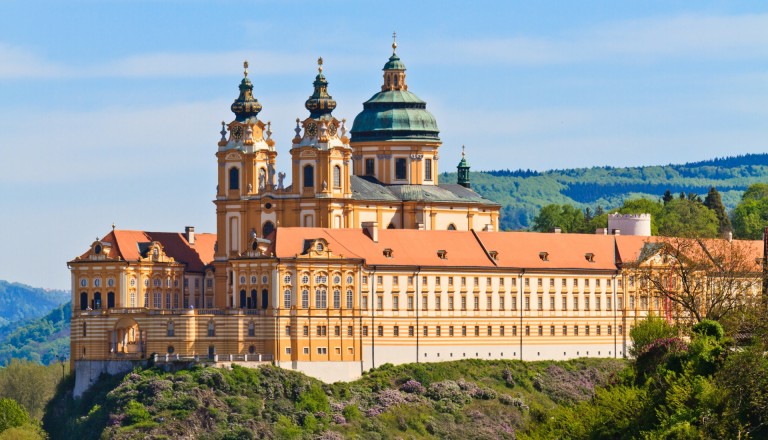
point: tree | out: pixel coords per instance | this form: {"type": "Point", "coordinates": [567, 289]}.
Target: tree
{"type": "Point", "coordinates": [756, 191]}
{"type": "Point", "coordinates": [30, 384]}
{"type": "Point", "coordinates": [565, 217]}
{"type": "Point", "coordinates": [687, 218]}
{"type": "Point", "coordinates": [702, 278]}
{"type": "Point", "coordinates": [12, 414]}
{"type": "Point", "coordinates": [751, 214]}
{"type": "Point", "coordinates": [648, 331]}
{"type": "Point", "coordinates": [667, 196]}
{"type": "Point", "coordinates": [714, 202]}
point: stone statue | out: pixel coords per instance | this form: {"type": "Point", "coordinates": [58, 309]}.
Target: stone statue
{"type": "Point", "coordinates": [325, 185]}
{"type": "Point", "coordinates": [271, 175]}
{"type": "Point", "coordinates": [280, 178]}
{"type": "Point", "coordinates": [250, 188]}
{"type": "Point", "coordinates": [262, 183]}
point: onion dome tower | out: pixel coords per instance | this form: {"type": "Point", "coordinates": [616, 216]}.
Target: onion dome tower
{"type": "Point", "coordinates": [395, 115]}
{"type": "Point", "coordinates": [463, 171]}
{"type": "Point", "coordinates": [246, 107]}
{"type": "Point", "coordinates": [321, 149]}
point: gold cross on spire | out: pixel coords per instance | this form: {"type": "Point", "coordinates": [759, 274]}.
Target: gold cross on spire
{"type": "Point", "coordinates": [394, 42]}
{"type": "Point", "coordinates": [320, 64]}
{"type": "Point", "coordinates": [245, 67]}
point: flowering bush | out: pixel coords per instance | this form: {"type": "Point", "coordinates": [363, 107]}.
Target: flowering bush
{"type": "Point", "coordinates": [339, 419]}
{"type": "Point", "coordinates": [388, 398]}
{"type": "Point", "coordinates": [413, 386]}
{"type": "Point", "coordinates": [565, 386]}
{"type": "Point", "coordinates": [448, 390]}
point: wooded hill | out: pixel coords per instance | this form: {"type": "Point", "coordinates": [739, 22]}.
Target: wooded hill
{"type": "Point", "coordinates": [522, 193]}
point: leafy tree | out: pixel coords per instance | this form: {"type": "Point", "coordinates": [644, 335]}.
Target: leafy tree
{"type": "Point", "coordinates": [714, 202]}
{"type": "Point", "coordinates": [647, 331]}
{"type": "Point", "coordinates": [751, 214]}
{"type": "Point", "coordinates": [756, 191]}
{"type": "Point", "coordinates": [12, 414]}
{"type": "Point", "coordinates": [565, 217]}
{"type": "Point", "coordinates": [30, 384]}
{"type": "Point", "coordinates": [687, 218]}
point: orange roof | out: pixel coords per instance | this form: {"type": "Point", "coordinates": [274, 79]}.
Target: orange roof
{"type": "Point", "coordinates": [630, 246]}
{"type": "Point", "coordinates": [563, 251]}
{"type": "Point", "coordinates": [126, 245]}
{"type": "Point", "coordinates": [410, 247]}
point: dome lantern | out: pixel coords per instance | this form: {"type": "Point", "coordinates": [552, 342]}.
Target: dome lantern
{"type": "Point", "coordinates": [246, 107]}
{"type": "Point", "coordinates": [320, 104]}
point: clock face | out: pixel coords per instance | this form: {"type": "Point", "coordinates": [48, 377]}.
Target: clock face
{"type": "Point", "coordinates": [332, 129]}
{"type": "Point", "coordinates": [237, 132]}
{"type": "Point", "coordinates": [312, 129]}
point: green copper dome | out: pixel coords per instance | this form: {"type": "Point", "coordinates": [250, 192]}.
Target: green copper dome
{"type": "Point", "coordinates": [320, 104]}
{"type": "Point", "coordinates": [246, 107]}
{"type": "Point", "coordinates": [394, 113]}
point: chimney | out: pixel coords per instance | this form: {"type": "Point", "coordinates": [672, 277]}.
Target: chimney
{"type": "Point", "coordinates": [371, 229]}
{"type": "Point", "coordinates": [601, 231]}
{"type": "Point", "coordinates": [557, 230]}
{"type": "Point", "coordinates": [189, 231]}
{"type": "Point", "coordinates": [616, 232]}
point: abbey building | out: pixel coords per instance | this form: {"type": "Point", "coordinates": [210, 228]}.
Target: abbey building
{"type": "Point", "coordinates": [364, 257]}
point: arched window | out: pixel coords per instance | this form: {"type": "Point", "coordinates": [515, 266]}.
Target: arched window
{"type": "Point", "coordinates": [305, 299]}
{"type": "Point", "coordinates": [350, 297]}
{"type": "Point", "coordinates": [321, 299]}
{"type": "Point", "coordinates": [211, 328]}
{"type": "Point", "coordinates": [251, 329]}
{"type": "Point", "coordinates": [267, 229]}
{"type": "Point", "coordinates": [309, 176]}
{"type": "Point", "coordinates": [337, 176]}
{"type": "Point", "coordinates": [234, 178]}
{"type": "Point", "coordinates": [451, 227]}
{"type": "Point", "coordinates": [97, 301]}
{"type": "Point", "coordinates": [242, 299]}
{"type": "Point", "coordinates": [170, 330]}
{"type": "Point", "coordinates": [264, 299]}
{"type": "Point", "coordinates": [110, 300]}
{"type": "Point", "coordinates": [287, 298]}
{"type": "Point", "coordinates": [337, 299]}
{"type": "Point", "coordinates": [83, 301]}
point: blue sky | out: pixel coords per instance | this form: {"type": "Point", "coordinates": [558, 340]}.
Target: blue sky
{"type": "Point", "coordinates": [110, 110]}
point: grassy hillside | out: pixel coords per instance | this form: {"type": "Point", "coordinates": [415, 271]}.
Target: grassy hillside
{"type": "Point", "coordinates": [468, 399]}
{"type": "Point", "coordinates": [523, 192]}
{"type": "Point", "coordinates": [39, 340]}
{"type": "Point", "coordinates": [19, 302]}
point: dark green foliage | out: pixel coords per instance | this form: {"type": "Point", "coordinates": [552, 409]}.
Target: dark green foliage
{"type": "Point", "coordinates": [750, 216]}
{"type": "Point", "coordinates": [708, 327]}
{"type": "Point", "coordinates": [30, 384]}
{"type": "Point", "coordinates": [44, 340]}
{"type": "Point", "coordinates": [647, 331]}
{"type": "Point", "coordinates": [19, 302]}
{"type": "Point", "coordinates": [714, 202]}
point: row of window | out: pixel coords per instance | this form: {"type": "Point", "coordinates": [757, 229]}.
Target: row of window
{"type": "Point", "coordinates": [401, 168]}
{"type": "Point", "coordinates": [319, 279]}
{"type": "Point", "coordinates": [488, 331]}
{"type": "Point", "coordinates": [254, 279]}
{"type": "Point", "coordinates": [463, 281]}
{"type": "Point", "coordinates": [438, 303]}
{"type": "Point", "coordinates": [321, 299]}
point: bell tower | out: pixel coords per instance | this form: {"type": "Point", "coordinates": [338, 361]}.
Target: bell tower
{"type": "Point", "coordinates": [321, 157]}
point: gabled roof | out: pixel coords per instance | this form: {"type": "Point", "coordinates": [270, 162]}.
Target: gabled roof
{"type": "Point", "coordinates": [132, 245]}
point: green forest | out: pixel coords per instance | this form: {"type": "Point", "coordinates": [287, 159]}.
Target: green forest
{"type": "Point", "coordinates": [522, 193]}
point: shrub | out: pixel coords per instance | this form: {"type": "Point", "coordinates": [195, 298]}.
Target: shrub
{"type": "Point", "coordinates": [313, 400]}
{"type": "Point", "coordinates": [12, 414]}
{"type": "Point", "coordinates": [708, 327]}
{"type": "Point", "coordinates": [647, 331]}
{"type": "Point", "coordinates": [412, 386]}
{"type": "Point", "coordinates": [135, 413]}
{"type": "Point", "coordinates": [351, 413]}
{"type": "Point", "coordinates": [659, 352]}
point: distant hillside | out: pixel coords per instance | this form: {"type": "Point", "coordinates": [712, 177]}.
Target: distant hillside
{"type": "Point", "coordinates": [523, 192]}
{"type": "Point", "coordinates": [39, 340]}
{"type": "Point", "coordinates": [19, 302]}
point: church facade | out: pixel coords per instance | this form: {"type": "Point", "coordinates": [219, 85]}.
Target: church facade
{"type": "Point", "coordinates": [364, 258]}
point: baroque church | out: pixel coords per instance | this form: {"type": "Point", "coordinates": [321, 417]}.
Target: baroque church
{"type": "Point", "coordinates": [364, 258]}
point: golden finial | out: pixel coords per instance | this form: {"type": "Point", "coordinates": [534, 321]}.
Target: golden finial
{"type": "Point", "coordinates": [320, 64]}
{"type": "Point", "coordinates": [394, 42]}
{"type": "Point", "coordinates": [245, 68]}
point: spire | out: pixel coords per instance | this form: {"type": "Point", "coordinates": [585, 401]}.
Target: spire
{"type": "Point", "coordinates": [463, 170]}
{"type": "Point", "coordinates": [245, 106]}
{"type": "Point", "coordinates": [320, 104]}
{"type": "Point", "coordinates": [394, 70]}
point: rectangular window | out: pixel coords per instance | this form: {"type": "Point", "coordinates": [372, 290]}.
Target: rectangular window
{"type": "Point", "coordinates": [541, 330]}
{"type": "Point", "coordinates": [463, 281]}
{"type": "Point", "coordinates": [365, 279]}
{"type": "Point", "coordinates": [365, 330]}
{"type": "Point", "coordinates": [427, 169]}
{"type": "Point", "coordinates": [565, 330]}
{"type": "Point", "coordinates": [424, 303]}
{"type": "Point", "coordinates": [501, 331]}
{"type": "Point", "coordinates": [490, 330]}
{"type": "Point", "coordinates": [450, 281]}
{"type": "Point", "coordinates": [551, 330]}
{"type": "Point", "coordinates": [379, 280]}
{"type": "Point", "coordinates": [501, 303]}
{"type": "Point", "coordinates": [437, 303]}
{"type": "Point", "coordinates": [306, 330]}
{"type": "Point", "coordinates": [576, 330]}
{"type": "Point", "coordinates": [527, 303]}
{"type": "Point", "coordinates": [597, 330]}
{"type": "Point", "coordinates": [608, 303]}
{"type": "Point", "coordinates": [514, 330]}
{"type": "Point", "coordinates": [586, 330]}
{"type": "Point", "coordinates": [287, 350]}
{"type": "Point", "coordinates": [563, 282]}
{"type": "Point", "coordinates": [586, 303]}
{"type": "Point", "coordinates": [410, 330]}
{"type": "Point", "coordinates": [575, 303]}
{"type": "Point", "coordinates": [350, 331]}
{"type": "Point", "coordinates": [395, 280]}
{"type": "Point", "coordinates": [306, 350]}
{"type": "Point", "coordinates": [425, 331]}
{"type": "Point", "coordinates": [527, 330]}
{"type": "Point", "coordinates": [337, 330]}
{"type": "Point", "coordinates": [610, 329]}
{"type": "Point", "coordinates": [450, 303]}
{"type": "Point", "coordinates": [424, 280]}
{"type": "Point", "coordinates": [463, 330]}
{"type": "Point", "coordinates": [450, 330]}
{"type": "Point", "coordinates": [400, 168]}
{"type": "Point", "coordinates": [410, 281]}
{"type": "Point", "coordinates": [552, 303]}
{"type": "Point", "coordinates": [365, 303]}
{"type": "Point", "coordinates": [396, 331]}
{"type": "Point", "coordinates": [514, 282]}
{"type": "Point", "coordinates": [322, 350]}
{"type": "Point", "coordinates": [287, 330]}
{"type": "Point", "coordinates": [395, 302]}
{"type": "Point", "coordinates": [527, 282]}
{"type": "Point", "coordinates": [488, 303]}
{"type": "Point", "coordinates": [437, 331]}
{"type": "Point", "coordinates": [380, 330]}
{"type": "Point", "coordinates": [540, 303]}
{"type": "Point", "coordinates": [597, 303]}
{"type": "Point", "coordinates": [477, 330]}
{"type": "Point", "coordinates": [410, 302]}
{"type": "Point", "coordinates": [370, 167]}
{"type": "Point", "coordinates": [514, 303]}
{"type": "Point", "coordinates": [621, 329]}
{"type": "Point", "coordinates": [565, 303]}
{"type": "Point", "coordinates": [463, 303]}
{"type": "Point", "coordinates": [551, 282]}
{"type": "Point", "coordinates": [539, 282]}
{"type": "Point", "coordinates": [322, 330]}
{"type": "Point", "coordinates": [477, 303]}
{"type": "Point", "coordinates": [379, 302]}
